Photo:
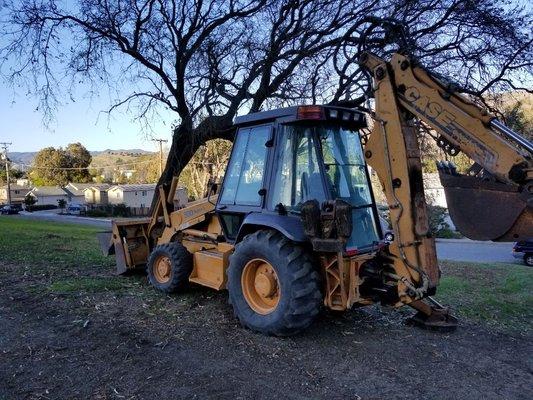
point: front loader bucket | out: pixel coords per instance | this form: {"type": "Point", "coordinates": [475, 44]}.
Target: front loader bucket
{"type": "Point", "coordinates": [488, 210]}
{"type": "Point", "coordinates": [106, 242]}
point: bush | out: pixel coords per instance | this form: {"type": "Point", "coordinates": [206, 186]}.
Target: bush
{"type": "Point", "coordinates": [115, 210]}
{"type": "Point", "coordinates": [120, 210]}
{"type": "Point", "coordinates": [438, 225]}
{"type": "Point", "coordinates": [97, 213]}
{"type": "Point", "coordinates": [437, 221]}
{"type": "Point", "coordinates": [448, 234]}
{"type": "Point", "coordinates": [41, 207]}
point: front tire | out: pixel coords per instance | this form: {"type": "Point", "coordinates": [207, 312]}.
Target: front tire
{"type": "Point", "coordinates": [272, 284]}
{"type": "Point", "coordinates": [528, 260]}
{"type": "Point", "coordinates": [169, 267]}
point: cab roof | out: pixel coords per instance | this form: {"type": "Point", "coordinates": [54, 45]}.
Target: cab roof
{"type": "Point", "coordinates": [319, 113]}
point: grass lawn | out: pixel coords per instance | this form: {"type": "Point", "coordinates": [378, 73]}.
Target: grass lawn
{"type": "Point", "coordinates": [28, 242]}
{"type": "Point", "coordinates": [498, 294]}
{"type": "Point", "coordinates": [68, 256]}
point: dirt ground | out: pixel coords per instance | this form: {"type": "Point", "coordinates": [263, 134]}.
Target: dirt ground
{"type": "Point", "coordinates": [133, 343]}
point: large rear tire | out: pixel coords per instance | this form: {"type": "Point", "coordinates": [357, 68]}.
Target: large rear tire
{"type": "Point", "coordinates": [273, 287]}
{"type": "Point", "coordinates": [169, 267]}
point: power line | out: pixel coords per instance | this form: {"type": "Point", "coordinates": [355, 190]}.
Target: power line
{"type": "Point", "coordinates": [101, 166]}
{"type": "Point", "coordinates": [89, 167]}
{"type": "Point", "coordinates": [5, 146]}
{"type": "Point", "coordinates": [161, 141]}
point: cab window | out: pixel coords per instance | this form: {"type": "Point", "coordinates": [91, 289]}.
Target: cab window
{"type": "Point", "coordinates": [297, 172]}
{"type": "Point", "coordinates": [245, 172]}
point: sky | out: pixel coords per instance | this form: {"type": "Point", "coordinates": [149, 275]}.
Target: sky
{"type": "Point", "coordinates": [82, 121]}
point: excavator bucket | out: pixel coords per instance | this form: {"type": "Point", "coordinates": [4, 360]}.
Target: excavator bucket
{"type": "Point", "coordinates": [487, 210]}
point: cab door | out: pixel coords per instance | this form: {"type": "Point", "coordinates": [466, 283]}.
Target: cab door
{"type": "Point", "coordinates": [243, 189]}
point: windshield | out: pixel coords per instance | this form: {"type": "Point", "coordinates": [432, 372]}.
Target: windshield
{"type": "Point", "coordinates": [297, 172]}
{"type": "Point", "coordinates": [299, 175]}
{"type": "Point", "coordinates": [344, 165]}
{"type": "Point", "coordinates": [347, 179]}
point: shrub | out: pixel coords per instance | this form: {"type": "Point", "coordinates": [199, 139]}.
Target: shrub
{"type": "Point", "coordinates": [121, 210]}
{"type": "Point", "coordinates": [438, 225]}
{"type": "Point", "coordinates": [97, 213]}
{"type": "Point", "coordinates": [115, 210]}
{"type": "Point", "coordinates": [41, 207]}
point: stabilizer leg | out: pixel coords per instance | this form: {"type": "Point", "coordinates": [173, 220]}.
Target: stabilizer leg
{"type": "Point", "coordinates": [433, 316]}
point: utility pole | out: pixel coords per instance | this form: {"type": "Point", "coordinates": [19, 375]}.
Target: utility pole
{"type": "Point", "coordinates": [161, 141]}
{"type": "Point", "coordinates": [5, 146]}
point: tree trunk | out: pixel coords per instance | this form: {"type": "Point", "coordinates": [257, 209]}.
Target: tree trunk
{"type": "Point", "coordinates": [185, 142]}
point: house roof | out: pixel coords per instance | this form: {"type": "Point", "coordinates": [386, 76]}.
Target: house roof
{"type": "Point", "coordinates": [74, 192]}
{"type": "Point", "coordinates": [98, 186]}
{"type": "Point", "coordinates": [134, 188]}
{"type": "Point", "coordinates": [79, 186]}
{"type": "Point", "coordinates": [48, 191]}
{"type": "Point", "coordinates": [17, 187]}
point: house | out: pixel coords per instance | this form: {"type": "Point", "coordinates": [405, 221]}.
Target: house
{"type": "Point", "coordinates": [76, 192]}
{"type": "Point", "coordinates": [18, 193]}
{"type": "Point", "coordinates": [23, 182]}
{"type": "Point", "coordinates": [127, 173]}
{"type": "Point", "coordinates": [181, 198]}
{"type": "Point", "coordinates": [96, 194]}
{"type": "Point", "coordinates": [434, 191]}
{"type": "Point", "coordinates": [48, 195]}
{"type": "Point", "coordinates": [134, 196]}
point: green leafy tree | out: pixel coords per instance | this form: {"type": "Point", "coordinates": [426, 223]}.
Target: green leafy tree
{"type": "Point", "coordinates": [29, 201]}
{"type": "Point", "coordinates": [62, 204]}
{"type": "Point", "coordinates": [13, 173]}
{"type": "Point", "coordinates": [49, 167]}
{"type": "Point", "coordinates": [520, 119]}
{"type": "Point", "coordinates": [59, 166]}
{"type": "Point", "coordinates": [209, 162]}
{"type": "Point", "coordinates": [79, 158]}
{"type": "Point", "coordinates": [147, 169]}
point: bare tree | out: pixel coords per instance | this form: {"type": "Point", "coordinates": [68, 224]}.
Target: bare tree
{"type": "Point", "coordinates": [207, 60]}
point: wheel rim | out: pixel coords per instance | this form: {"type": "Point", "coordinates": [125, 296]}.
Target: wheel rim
{"type": "Point", "coordinates": [529, 260]}
{"type": "Point", "coordinates": [260, 286]}
{"type": "Point", "coordinates": [162, 269]}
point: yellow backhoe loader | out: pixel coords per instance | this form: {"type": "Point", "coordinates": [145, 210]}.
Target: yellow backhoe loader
{"type": "Point", "coordinates": [294, 225]}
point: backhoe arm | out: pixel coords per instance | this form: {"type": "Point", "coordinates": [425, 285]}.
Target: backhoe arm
{"type": "Point", "coordinates": [495, 200]}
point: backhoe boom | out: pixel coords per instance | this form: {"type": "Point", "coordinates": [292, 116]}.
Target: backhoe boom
{"type": "Point", "coordinates": [495, 200]}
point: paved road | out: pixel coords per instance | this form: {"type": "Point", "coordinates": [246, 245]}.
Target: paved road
{"type": "Point", "coordinates": [470, 250]}
{"type": "Point", "coordinates": [447, 249]}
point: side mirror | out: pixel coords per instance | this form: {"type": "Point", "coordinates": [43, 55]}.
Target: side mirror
{"type": "Point", "coordinates": [213, 189]}
{"type": "Point", "coordinates": [389, 237]}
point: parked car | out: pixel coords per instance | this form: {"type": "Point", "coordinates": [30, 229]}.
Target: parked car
{"type": "Point", "coordinates": [12, 209]}
{"type": "Point", "coordinates": [75, 209]}
{"type": "Point", "coordinates": [524, 251]}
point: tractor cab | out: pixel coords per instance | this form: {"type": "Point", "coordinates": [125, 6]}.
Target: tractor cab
{"type": "Point", "coordinates": [288, 159]}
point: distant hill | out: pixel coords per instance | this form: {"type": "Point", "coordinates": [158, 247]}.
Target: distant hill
{"type": "Point", "coordinates": [116, 158]}
{"type": "Point", "coordinates": [22, 157]}
{"type": "Point", "coordinates": [100, 158]}
{"type": "Point", "coordinates": [135, 152]}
